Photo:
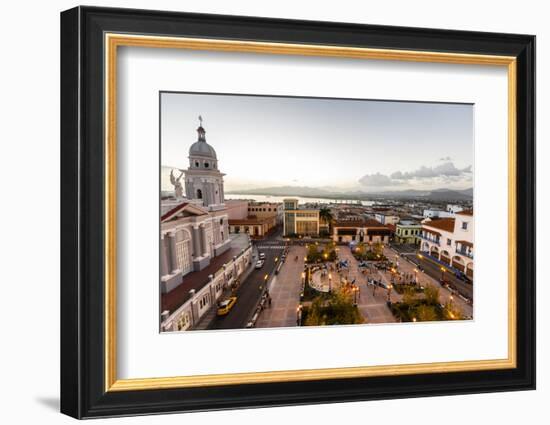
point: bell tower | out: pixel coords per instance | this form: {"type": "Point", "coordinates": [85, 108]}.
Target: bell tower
{"type": "Point", "coordinates": [203, 180]}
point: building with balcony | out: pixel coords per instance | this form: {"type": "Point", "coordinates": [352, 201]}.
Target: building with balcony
{"type": "Point", "coordinates": [451, 241]}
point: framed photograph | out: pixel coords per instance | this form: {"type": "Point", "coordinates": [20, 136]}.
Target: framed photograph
{"type": "Point", "coordinates": [261, 212]}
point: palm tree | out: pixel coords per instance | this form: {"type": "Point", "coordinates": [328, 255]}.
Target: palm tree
{"type": "Point", "coordinates": [326, 215]}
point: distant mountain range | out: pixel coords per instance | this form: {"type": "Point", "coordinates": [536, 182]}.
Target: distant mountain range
{"type": "Point", "coordinates": [312, 192]}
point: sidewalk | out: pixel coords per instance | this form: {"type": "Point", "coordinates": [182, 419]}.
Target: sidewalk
{"type": "Point", "coordinates": [285, 289]}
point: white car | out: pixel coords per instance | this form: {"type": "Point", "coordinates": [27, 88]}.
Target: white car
{"type": "Point", "coordinates": [262, 256]}
{"type": "Point", "coordinates": [260, 264]}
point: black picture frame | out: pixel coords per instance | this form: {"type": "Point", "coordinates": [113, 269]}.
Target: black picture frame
{"type": "Point", "coordinates": [83, 392]}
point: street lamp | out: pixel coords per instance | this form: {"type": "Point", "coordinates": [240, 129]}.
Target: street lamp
{"type": "Point", "coordinates": [389, 292]}
{"type": "Point", "coordinates": [442, 274]}
{"type": "Point", "coordinates": [303, 278]}
{"type": "Point", "coordinates": [329, 282]}
{"type": "Point", "coordinates": [416, 276]}
{"type": "Point", "coordinates": [355, 290]}
{"type": "Point", "coordinates": [299, 315]}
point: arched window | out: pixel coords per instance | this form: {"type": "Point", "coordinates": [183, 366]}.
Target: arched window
{"type": "Point", "coordinates": [199, 194]}
{"type": "Point", "coordinates": [197, 164]}
{"type": "Point", "coordinates": [206, 165]}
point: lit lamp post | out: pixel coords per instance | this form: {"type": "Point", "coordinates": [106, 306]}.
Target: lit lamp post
{"type": "Point", "coordinates": [442, 274]}
{"type": "Point", "coordinates": [451, 302]}
{"type": "Point", "coordinates": [299, 315]}
{"type": "Point", "coordinates": [416, 276]}
{"type": "Point", "coordinates": [329, 283]}
{"type": "Point", "coordinates": [303, 278]}
{"type": "Point", "coordinates": [389, 292]}
{"type": "Point", "coordinates": [355, 290]}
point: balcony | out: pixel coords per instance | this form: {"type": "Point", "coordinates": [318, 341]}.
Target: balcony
{"type": "Point", "coordinates": [465, 253]}
{"type": "Point", "coordinates": [433, 241]}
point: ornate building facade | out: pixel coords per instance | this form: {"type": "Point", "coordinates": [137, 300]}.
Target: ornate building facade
{"type": "Point", "coordinates": [194, 228]}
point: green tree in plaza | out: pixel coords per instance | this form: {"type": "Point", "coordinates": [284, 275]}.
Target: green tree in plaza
{"type": "Point", "coordinates": [329, 251]}
{"type": "Point", "coordinates": [360, 250]}
{"type": "Point", "coordinates": [337, 309]}
{"type": "Point", "coordinates": [409, 296]}
{"type": "Point", "coordinates": [312, 253]}
{"type": "Point", "coordinates": [452, 312]}
{"type": "Point", "coordinates": [378, 248]}
{"type": "Point", "coordinates": [431, 295]}
{"type": "Point", "coordinates": [426, 313]}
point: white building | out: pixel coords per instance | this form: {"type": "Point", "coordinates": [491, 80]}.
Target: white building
{"type": "Point", "coordinates": [430, 213]}
{"type": "Point", "coordinates": [194, 229]}
{"type": "Point", "coordinates": [386, 218]}
{"type": "Point", "coordinates": [198, 260]}
{"type": "Point", "coordinates": [454, 208]}
{"type": "Point", "coordinates": [451, 241]}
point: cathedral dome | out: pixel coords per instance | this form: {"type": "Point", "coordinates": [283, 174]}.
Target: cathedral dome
{"type": "Point", "coordinates": [200, 147]}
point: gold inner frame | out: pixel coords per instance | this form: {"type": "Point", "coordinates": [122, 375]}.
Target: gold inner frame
{"type": "Point", "coordinates": [113, 41]}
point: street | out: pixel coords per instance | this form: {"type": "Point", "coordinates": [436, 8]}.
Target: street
{"type": "Point", "coordinates": [434, 270]}
{"type": "Point", "coordinates": [249, 291]}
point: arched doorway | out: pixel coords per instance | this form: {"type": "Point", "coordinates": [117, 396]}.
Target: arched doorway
{"type": "Point", "coordinates": [458, 263]}
{"type": "Point", "coordinates": [434, 252]}
{"type": "Point", "coordinates": [445, 257]}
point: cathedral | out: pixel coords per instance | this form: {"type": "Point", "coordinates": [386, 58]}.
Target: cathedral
{"type": "Point", "coordinates": [194, 227]}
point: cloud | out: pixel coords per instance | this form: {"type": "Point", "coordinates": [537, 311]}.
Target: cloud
{"type": "Point", "coordinates": [443, 170]}
{"type": "Point", "coordinates": [446, 172]}
{"type": "Point", "coordinates": [377, 180]}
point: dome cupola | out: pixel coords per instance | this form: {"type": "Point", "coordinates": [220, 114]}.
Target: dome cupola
{"type": "Point", "coordinates": [200, 151]}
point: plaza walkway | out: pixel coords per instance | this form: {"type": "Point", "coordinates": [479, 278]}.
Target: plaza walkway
{"type": "Point", "coordinates": [285, 289]}
{"type": "Point", "coordinates": [373, 307]}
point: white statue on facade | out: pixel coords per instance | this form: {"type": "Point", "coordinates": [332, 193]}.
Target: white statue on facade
{"type": "Point", "coordinates": [178, 188]}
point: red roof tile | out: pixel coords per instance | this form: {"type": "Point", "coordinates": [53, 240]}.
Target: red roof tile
{"type": "Point", "coordinates": [446, 224]}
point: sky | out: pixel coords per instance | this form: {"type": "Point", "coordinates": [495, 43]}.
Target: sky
{"type": "Point", "coordinates": [337, 144]}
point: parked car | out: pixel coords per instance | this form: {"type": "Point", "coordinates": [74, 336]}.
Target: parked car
{"type": "Point", "coordinates": [262, 256]}
{"type": "Point", "coordinates": [260, 264]}
{"type": "Point", "coordinates": [225, 306]}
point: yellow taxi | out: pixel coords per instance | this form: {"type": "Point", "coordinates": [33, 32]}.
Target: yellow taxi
{"type": "Point", "coordinates": [225, 306]}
